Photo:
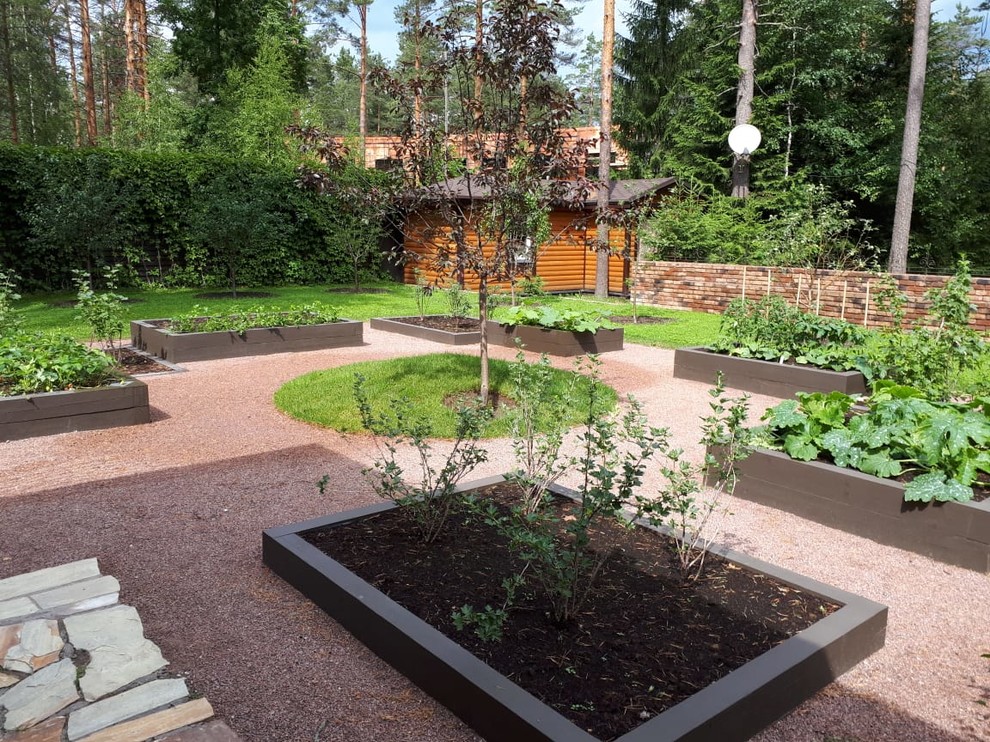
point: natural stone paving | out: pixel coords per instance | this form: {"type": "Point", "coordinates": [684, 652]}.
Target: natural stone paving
{"type": "Point", "coordinates": [78, 668]}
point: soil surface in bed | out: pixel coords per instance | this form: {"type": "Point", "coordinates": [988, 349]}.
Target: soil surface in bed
{"type": "Point", "coordinates": [437, 322]}
{"type": "Point", "coordinates": [644, 640]}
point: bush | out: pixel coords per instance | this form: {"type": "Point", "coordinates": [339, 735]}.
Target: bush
{"type": "Point", "coordinates": [65, 209]}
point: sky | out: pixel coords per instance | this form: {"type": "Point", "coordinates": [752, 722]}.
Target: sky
{"type": "Point", "coordinates": [383, 29]}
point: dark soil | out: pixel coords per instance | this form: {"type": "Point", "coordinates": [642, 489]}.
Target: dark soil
{"type": "Point", "coordinates": [641, 320]}
{"type": "Point", "coordinates": [645, 639]}
{"type": "Point", "coordinates": [74, 303]}
{"type": "Point", "coordinates": [133, 363]}
{"type": "Point", "coordinates": [442, 322]}
{"type": "Point", "coordinates": [352, 290]}
{"type": "Point", "coordinates": [240, 295]}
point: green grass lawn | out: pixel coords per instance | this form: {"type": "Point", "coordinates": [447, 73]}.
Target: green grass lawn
{"type": "Point", "coordinates": [433, 384]}
{"type": "Point", "coordinates": [52, 312]}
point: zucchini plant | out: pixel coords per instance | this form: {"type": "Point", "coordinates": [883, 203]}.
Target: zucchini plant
{"type": "Point", "coordinates": [940, 448]}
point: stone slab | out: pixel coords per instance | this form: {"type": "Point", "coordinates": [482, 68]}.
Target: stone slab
{"type": "Point", "coordinates": [119, 654]}
{"type": "Point", "coordinates": [7, 680]}
{"type": "Point", "coordinates": [214, 731]}
{"type": "Point", "coordinates": [46, 579]}
{"type": "Point", "coordinates": [38, 645]}
{"type": "Point", "coordinates": [17, 608]}
{"type": "Point", "coordinates": [155, 724]}
{"type": "Point", "coordinates": [39, 696]}
{"type": "Point", "coordinates": [127, 705]}
{"type": "Point", "coordinates": [49, 731]}
{"type": "Point", "coordinates": [84, 595]}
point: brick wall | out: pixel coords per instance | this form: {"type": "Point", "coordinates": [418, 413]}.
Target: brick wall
{"type": "Point", "coordinates": [709, 287]}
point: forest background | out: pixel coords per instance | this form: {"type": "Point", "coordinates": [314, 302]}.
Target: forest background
{"type": "Point", "coordinates": [179, 80]}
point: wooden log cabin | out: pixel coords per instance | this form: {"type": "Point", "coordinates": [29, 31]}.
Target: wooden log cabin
{"type": "Point", "coordinates": [567, 262]}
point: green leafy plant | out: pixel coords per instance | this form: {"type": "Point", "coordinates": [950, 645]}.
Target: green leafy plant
{"type": "Point", "coordinates": [458, 301]}
{"type": "Point", "coordinates": [690, 502]}
{"type": "Point", "coordinates": [199, 319]}
{"type": "Point", "coordinates": [9, 321]}
{"type": "Point", "coordinates": [770, 329]}
{"type": "Point", "coordinates": [433, 496]}
{"type": "Point", "coordinates": [531, 286]}
{"type": "Point", "coordinates": [102, 310]}
{"type": "Point", "coordinates": [941, 446]}
{"type": "Point", "coordinates": [488, 622]}
{"type": "Point", "coordinates": [422, 291]}
{"type": "Point", "coordinates": [540, 420]}
{"type": "Point", "coordinates": [932, 352]}
{"type": "Point", "coordinates": [554, 318]}
{"type": "Point", "coordinates": [31, 363]}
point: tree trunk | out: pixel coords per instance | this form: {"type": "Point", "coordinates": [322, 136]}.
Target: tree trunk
{"type": "Point", "coordinates": [76, 116]}
{"type": "Point", "coordinates": [417, 66]}
{"type": "Point", "coordinates": [88, 84]}
{"type": "Point", "coordinates": [479, 38]}
{"type": "Point", "coordinates": [523, 106]}
{"type": "Point", "coordinates": [912, 133]}
{"type": "Point", "coordinates": [9, 68]}
{"type": "Point", "coordinates": [142, 45]}
{"type": "Point", "coordinates": [744, 93]}
{"type": "Point", "coordinates": [605, 152]}
{"type": "Point", "coordinates": [363, 102]}
{"type": "Point", "coordinates": [483, 336]}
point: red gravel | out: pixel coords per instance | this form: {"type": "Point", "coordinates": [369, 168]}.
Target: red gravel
{"type": "Point", "coordinates": [175, 510]}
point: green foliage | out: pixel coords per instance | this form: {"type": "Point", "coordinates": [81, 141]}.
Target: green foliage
{"type": "Point", "coordinates": [489, 622]}
{"type": "Point", "coordinates": [458, 301]}
{"type": "Point", "coordinates": [199, 318]}
{"type": "Point", "coordinates": [555, 318]}
{"type": "Point", "coordinates": [540, 419]}
{"type": "Point", "coordinates": [933, 351]}
{"type": "Point", "coordinates": [85, 209]}
{"type": "Point", "coordinates": [689, 502]}
{"type": "Point", "coordinates": [772, 330]}
{"type": "Point", "coordinates": [31, 363]}
{"type": "Point", "coordinates": [422, 291]}
{"type": "Point", "coordinates": [9, 321]}
{"type": "Point", "coordinates": [104, 310]}
{"type": "Point", "coordinates": [432, 498]}
{"type": "Point", "coordinates": [943, 446]}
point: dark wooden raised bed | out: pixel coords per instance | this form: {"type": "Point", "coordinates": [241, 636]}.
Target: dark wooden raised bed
{"type": "Point", "coordinates": [47, 413]}
{"type": "Point", "coordinates": [555, 342]}
{"type": "Point", "coordinates": [952, 532]}
{"type": "Point", "coordinates": [403, 326]}
{"type": "Point", "coordinates": [733, 708]}
{"type": "Point", "coordinates": [151, 335]}
{"type": "Point", "coordinates": [763, 377]}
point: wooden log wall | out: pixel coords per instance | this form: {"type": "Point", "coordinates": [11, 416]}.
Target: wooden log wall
{"type": "Point", "coordinates": [565, 263]}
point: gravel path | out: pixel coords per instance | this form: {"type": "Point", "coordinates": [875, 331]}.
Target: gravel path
{"type": "Point", "coordinates": [175, 511]}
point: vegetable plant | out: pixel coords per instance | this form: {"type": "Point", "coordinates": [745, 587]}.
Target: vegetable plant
{"type": "Point", "coordinates": [31, 363]}
{"type": "Point", "coordinates": [771, 330]}
{"type": "Point", "coordinates": [9, 321]}
{"type": "Point", "coordinates": [940, 447]}
{"type": "Point", "coordinates": [554, 318]}
{"type": "Point", "coordinates": [199, 319]}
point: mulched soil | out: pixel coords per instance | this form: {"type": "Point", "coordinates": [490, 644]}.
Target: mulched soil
{"type": "Point", "coordinates": [132, 363]}
{"type": "Point", "coordinates": [645, 638]}
{"type": "Point", "coordinates": [442, 322]}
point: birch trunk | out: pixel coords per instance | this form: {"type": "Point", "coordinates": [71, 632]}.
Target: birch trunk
{"type": "Point", "coordinates": [605, 152]}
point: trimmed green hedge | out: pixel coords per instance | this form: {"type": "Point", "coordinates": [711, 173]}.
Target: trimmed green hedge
{"type": "Point", "coordinates": [62, 209]}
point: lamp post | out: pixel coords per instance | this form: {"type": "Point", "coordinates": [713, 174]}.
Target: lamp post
{"type": "Point", "coordinates": [743, 140]}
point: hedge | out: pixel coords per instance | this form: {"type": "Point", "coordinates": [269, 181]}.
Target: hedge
{"type": "Point", "coordinates": [64, 209]}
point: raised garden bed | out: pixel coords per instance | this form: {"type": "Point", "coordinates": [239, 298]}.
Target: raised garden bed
{"type": "Point", "coordinates": [953, 532]}
{"type": "Point", "coordinates": [763, 377]}
{"type": "Point", "coordinates": [436, 327]}
{"type": "Point", "coordinates": [555, 342]}
{"type": "Point", "coordinates": [47, 413]}
{"type": "Point", "coordinates": [735, 706]}
{"type": "Point", "coordinates": [152, 336]}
